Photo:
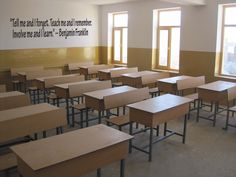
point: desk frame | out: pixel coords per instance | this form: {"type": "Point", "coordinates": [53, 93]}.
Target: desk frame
{"type": "Point", "coordinates": [152, 120]}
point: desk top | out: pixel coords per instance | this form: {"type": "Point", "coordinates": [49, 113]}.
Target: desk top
{"type": "Point", "coordinates": [112, 69]}
{"type": "Point", "coordinates": [99, 94]}
{"type": "Point", "coordinates": [160, 103]}
{"type": "Point", "coordinates": [56, 149]}
{"type": "Point", "coordinates": [10, 94]}
{"type": "Point", "coordinates": [66, 85]}
{"type": "Point", "coordinates": [25, 111]}
{"type": "Point", "coordinates": [138, 74]}
{"type": "Point", "coordinates": [21, 73]}
{"type": "Point", "coordinates": [173, 80]}
{"type": "Point", "coordinates": [92, 66]}
{"type": "Point", "coordinates": [218, 86]}
{"type": "Point", "coordinates": [42, 79]}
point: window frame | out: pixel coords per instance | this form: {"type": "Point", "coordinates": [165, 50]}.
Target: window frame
{"type": "Point", "coordinates": [169, 28]}
{"type": "Point", "coordinates": [121, 40]}
{"type": "Point", "coordinates": [222, 40]}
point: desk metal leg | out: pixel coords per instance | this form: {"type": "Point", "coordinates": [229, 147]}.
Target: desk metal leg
{"type": "Point", "coordinates": [99, 117]}
{"type": "Point", "coordinates": [99, 172]}
{"type": "Point", "coordinates": [157, 130]}
{"type": "Point", "coordinates": [87, 121]}
{"type": "Point", "coordinates": [227, 120]}
{"type": "Point", "coordinates": [198, 109]}
{"type": "Point", "coordinates": [67, 111]}
{"type": "Point", "coordinates": [122, 168]}
{"type": "Point", "coordinates": [185, 127]}
{"type": "Point", "coordinates": [150, 145]}
{"type": "Point", "coordinates": [215, 112]}
{"type": "Point", "coordinates": [165, 128]}
{"type": "Point", "coordinates": [131, 133]}
{"type": "Point", "coordinates": [44, 95]}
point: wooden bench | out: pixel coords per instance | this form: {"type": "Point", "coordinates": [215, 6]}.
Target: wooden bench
{"type": "Point", "coordinates": [76, 66]}
{"type": "Point", "coordinates": [78, 90]}
{"type": "Point", "coordinates": [231, 93]}
{"type": "Point", "coordinates": [25, 121]}
{"type": "Point", "coordinates": [17, 84]}
{"type": "Point", "coordinates": [123, 99]}
{"type": "Point", "coordinates": [151, 82]}
{"type": "Point", "coordinates": [190, 83]}
{"type": "Point", "coordinates": [13, 99]}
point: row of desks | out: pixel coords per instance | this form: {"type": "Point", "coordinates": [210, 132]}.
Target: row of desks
{"type": "Point", "coordinates": [62, 155]}
{"type": "Point", "coordinates": [151, 113]}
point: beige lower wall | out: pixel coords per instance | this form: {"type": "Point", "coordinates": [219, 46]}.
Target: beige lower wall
{"type": "Point", "coordinates": [140, 57]}
{"type": "Point", "coordinates": [197, 63]}
{"type": "Point", "coordinates": [193, 63]}
{"type": "Point", "coordinates": [49, 58]}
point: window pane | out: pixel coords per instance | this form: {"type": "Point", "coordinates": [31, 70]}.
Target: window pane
{"type": "Point", "coordinates": [163, 54]}
{"type": "Point", "coordinates": [121, 20]}
{"type": "Point", "coordinates": [117, 45]}
{"type": "Point", "coordinates": [170, 18]}
{"type": "Point", "coordinates": [229, 51]}
{"type": "Point", "coordinates": [175, 47]}
{"type": "Point", "coordinates": [125, 45]}
{"type": "Point", "coordinates": [230, 14]}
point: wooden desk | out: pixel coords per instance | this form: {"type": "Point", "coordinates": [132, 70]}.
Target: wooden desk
{"type": "Point", "coordinates": [93, 69]}
{"type": "Point", "coordinates": [169, 85]}
{"type": "Point", "coordinates": [14, 71]}
{"type": "Point", "coordinates": [27, 77]}
{"type": "Point", "coordinates": [135, 79]}
{"type": "Point", "coordinates": [95, 99]}
{"type": "Point", "coordinates": [76, 89]}
{"type": "Point", "coordinates": [62, 90]}
{"type": "Point", "coordinates": [23, 121]}
{"type": "Point", "coordinates": [14, 99]}
{"type": "Point", "coordinates": [105, 74]}
{"type": "Point", "coordinates": [74, 153]}
{"type": "Point", "coordinates": [215, 93]}
{"type": "Point", "coordinates": [76, 66]}
{"type": "Point", "coordinates": [49, 82]}
{"type": "Point", "coordinates": [156, 111]}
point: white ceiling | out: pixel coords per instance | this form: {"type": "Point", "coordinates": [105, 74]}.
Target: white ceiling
{"type": "Point", "coordinates": [187, 2]}
{"type": "Point", "coordinates": [104, 2]}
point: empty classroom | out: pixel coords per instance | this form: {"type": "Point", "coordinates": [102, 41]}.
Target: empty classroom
{"type": "Point", "coordinates": [118, 88]}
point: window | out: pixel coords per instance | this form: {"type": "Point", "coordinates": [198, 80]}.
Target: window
{"type": "Point", "coordinates": [120, 37]}
{"type": "Point", "coordinates": [168, 38]}
{"type": "Point", "coordinates": [228, 44]}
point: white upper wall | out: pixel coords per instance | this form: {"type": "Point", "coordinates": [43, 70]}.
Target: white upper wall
{"type": "Point", "coordinates": [43, 10]}
{"type": "Point", "coordinates": [198, 24]}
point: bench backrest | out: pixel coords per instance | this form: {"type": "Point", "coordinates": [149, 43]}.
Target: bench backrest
{"type": "Point", "coordinates": [95, 68]}
{"type": "Point", "coordinates": [14, 71]}
{"type": "Point", "coordinates": [30, 75]}
{"type": "Point", "coordinates": [152, 78]}
{"type": "Point", "coordinates": [117, 73]}
{"type": "Point", "coordinates": [125, 98]}
{"type": "Point", "coordinates": [79, 89]}
{"type": "Point", "coordinates": [14, 102]}
{"type": "Point", "coordinates": [231, 93]}
{"type": "Point", "coordinates": [76, 66]}
{"type": "Point", "coordinates": [190, 83]}
{"type": "Point", "coordinates": [50, 82]}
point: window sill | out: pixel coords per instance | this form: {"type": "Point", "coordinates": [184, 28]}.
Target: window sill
{"type": "Point", "coordinates": [167, 71]}
{"type": "Point", "coordinates": [225, 77]}
{"type": "Point", "coordinates": [120, 65]}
